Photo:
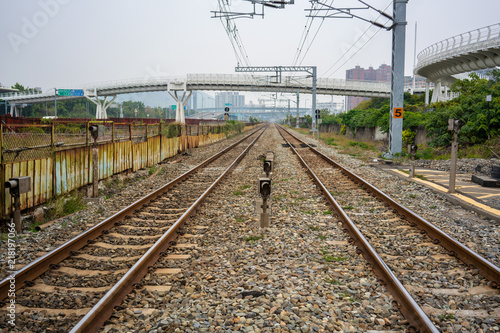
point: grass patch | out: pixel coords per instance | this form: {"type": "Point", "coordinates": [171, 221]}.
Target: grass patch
{"type": "Point", "coordinates": [244, 187]}
{"type": "Point", "coordinates": [313, 228]}
{"type": "Point", "coordinates": [330, 258]}
{"type": "Point", "coordinates": [327, 212]}
{"type": "Point", "coordinates": [360, 145]}
{"type": "Point", "coordinates": [330, 141]}
{"type": "Point", "coordinates": [348, 207]}
{"type": "Point", "coordinates": [307, 212]}
{"type": "Point", "coordinates": [413, 196]}
{"type": "Point", "coordinates": [322, 237]}
{"type": "Point", "coordinates": [335, 193]}
{"type": "Point", "coordinates": [240, 219]}
{"type": "Point", "coordinates": [421, 177]}
{"type": "Point", "coordinates": [332, 281]}
{"type": "Point", "coordinates": [432, 207]}
{"type": "Point", "coordinates": [63, 206]}
{"type": "Point", "coordinates": [237, 193]}
{"type": "Point", "coordinates": [253, 238]}
{"type": "Point", "coordinates": [152, 170]}
{"type": "Point", "coordinates": [446, 316]}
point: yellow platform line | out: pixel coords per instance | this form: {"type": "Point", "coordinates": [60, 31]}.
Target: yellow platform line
{"type": "Point", "coordinates": [456, 195]}
{"type": "Point", "coordinates": [489, 196]}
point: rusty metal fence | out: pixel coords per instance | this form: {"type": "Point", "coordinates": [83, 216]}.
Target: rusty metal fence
{"type": "Point", "coordinates": [58, 156]}
{"type": "Point", "coordinates": [23, 142]}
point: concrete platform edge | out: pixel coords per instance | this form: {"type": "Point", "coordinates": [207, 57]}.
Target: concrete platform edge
{"type": "Point", "coordinates": [448, 197]}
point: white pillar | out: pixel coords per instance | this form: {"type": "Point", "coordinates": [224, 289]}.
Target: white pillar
{"type": "Point", "coordinates": [436, 92]}
{"type": "Point", "coordinates": [179, 113]}
{"type": "Point", "coordinates": [427, 85]}
{"type": "Point", "coordinates": [101, 106]}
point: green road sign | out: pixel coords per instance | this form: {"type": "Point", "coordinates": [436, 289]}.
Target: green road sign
{"type": "Point", "coordinates": [174, 107]}
{"type": "Point", "coordinates": [70, 92]}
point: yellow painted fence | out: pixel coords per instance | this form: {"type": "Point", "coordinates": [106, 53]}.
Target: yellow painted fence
{"type": "Point", "coordinates": [67, 169]}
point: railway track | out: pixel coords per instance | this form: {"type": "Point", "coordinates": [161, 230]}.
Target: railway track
{"type": "Point", "coordinates": [90, 274]}
{"type": "Point", "coordinates": [403, 249]}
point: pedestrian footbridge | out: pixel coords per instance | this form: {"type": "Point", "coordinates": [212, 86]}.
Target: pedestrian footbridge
{"type": "Point", "coordinates": [181, 88]}
{"type": "Point", "coordinates": [470, 51]}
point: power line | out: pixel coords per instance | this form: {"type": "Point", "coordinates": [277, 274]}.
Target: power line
{"type": "Point", "coordinates": [353, 45]}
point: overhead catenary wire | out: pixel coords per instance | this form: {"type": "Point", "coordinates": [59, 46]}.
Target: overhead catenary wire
{"type": "Point", "coordinates": [352, 46]}
{"type": "Point", "coordinates": [234, 35]}
{"type": "Point", "coordinates": [304, 36]}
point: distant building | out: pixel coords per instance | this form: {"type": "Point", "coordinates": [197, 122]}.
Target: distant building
{"type": "Point", "coordinates": [419, 82]}
{"type": "Point", "coordinates": [332, 107]}
{"type": "Point", "coordinates": [234, 99]}
{"type": "Point", "coordinates": [382, 74]}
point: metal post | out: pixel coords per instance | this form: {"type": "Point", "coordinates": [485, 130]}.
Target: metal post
{"type": "Point", "coordinates": [453, 162]}
{"type": "Point", "coordinates": [264, 216]}
{"type": "Point", "coordinates": [397, 79]}
{"type": "Point", "coordinates": [55, 102]}
{"type": "Point", "coordinates": [488, 100]}
{"type": "Point", "coordinates": [313, 108]}
{"type": "Point", "coordinates": [95, 171]}
{"type": "Point", "coordinates": [297, 121]}
{"type": "Point", "coordinates": [414, 58]}
{"type": "Point", "coordinates": [289, 115]}
{"type": "Point", "coordinates": [17, 214]}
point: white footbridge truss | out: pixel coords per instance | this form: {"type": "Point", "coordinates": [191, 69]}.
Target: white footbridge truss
{"type": "Point", "coordinates": [470, 51]}
{"type": "Point", "coordinates": [104, 93]}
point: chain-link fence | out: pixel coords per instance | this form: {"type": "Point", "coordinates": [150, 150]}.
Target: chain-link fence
{"type": "Point", "coordinates": [23, 142]}
{"type": "Point", "coordinates": [122, 132]}
{"type": "Point", "coordinates": [26, 142]}
{"type": "Point", "coordinates": [139, 133]}
{"type": "Point", "coordinates": [68, 135]}
{"type": "Point", "coordinates": [153, 130]}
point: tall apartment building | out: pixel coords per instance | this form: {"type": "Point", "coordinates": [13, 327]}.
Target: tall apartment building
{"type": "Point", "coordinates": [420, 82]}
{"type": "Point", "coordinates": [234, 99]}
{"type": "Point", "coordinates": [382, 74]}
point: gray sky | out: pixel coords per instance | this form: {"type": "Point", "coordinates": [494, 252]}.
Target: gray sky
{"type": "Point", "coordinates": [64, 43]}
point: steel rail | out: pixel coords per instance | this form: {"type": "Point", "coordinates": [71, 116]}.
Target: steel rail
{"type": "Point", "coordinates": [455, 248]}
{"type": "Point", "coordinates": [96, 316]}
{"type": "Point", "coordinates": [417, 318]}
{"type": "Point", "coordinates": [42, 264]}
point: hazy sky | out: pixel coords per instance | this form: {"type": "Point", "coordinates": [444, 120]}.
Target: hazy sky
{"type": "Point", "coordinates": [64, 43]}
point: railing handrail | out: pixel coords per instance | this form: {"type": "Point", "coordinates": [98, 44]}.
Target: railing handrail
{"type": "Point", "coordinates": [469, 41]}
{"type": "Point", "coordinates": [228, 79]}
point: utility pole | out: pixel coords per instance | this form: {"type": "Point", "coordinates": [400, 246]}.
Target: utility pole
{"type": "Point", "coordinates": [297, 121]}
{"type": "Point", "coordinates": [55, 102]}
{"type": "Point", "coordinates": [397, 77]}
{"type": "Point", "coordinates": [398, 28]}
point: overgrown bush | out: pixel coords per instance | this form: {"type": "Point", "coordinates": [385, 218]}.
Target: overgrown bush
{"type": "Point", "coordinates": [173, 130]}
{"type": "Point", "coordinates": [233, 126]}
{"type": "Point", "coordinates": [408, 137]}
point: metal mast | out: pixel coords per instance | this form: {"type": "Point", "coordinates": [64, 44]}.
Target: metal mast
{"type": "Point", "coordinates": [398, 28]}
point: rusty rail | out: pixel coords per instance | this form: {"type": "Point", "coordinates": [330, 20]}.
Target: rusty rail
{"type": "Point", "coordinates": [96, 317]}
{"type": "Point", "coordinates": [42, 264]}
{"type": "Point", "coordinates": [407, 305]}
{"type": "Point", "coordinates": [455, 248]}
